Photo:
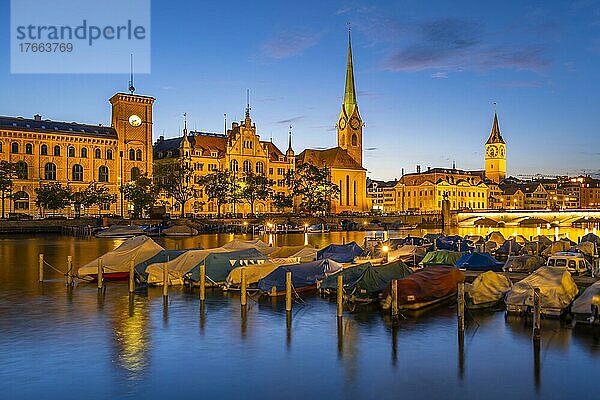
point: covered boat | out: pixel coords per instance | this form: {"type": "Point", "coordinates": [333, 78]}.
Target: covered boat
{"type": "Point", "coordinates": [256, 272]}
{"type": "Point", "coordinates": [179, 266]}
{"type": "Point", "coordinates": [487, 290]}
{"type": "Point", "coordinates": [585, 307]}
{"type": "Point", "coordinates": [307, 254]}
{"type": "Point", "coordinates": [524, 263]}
{"type": "Point", "coordinates": [120, 232]}
{"type": "Point", "coordinates": [257, 244]}
{"type": "Point", "coordinates": [560, 245]}
{"type": "Point", "coordinates": [342, 253]}
{"type": "Point", "coordinates": [364, 282]}
{"type": "Point", "coordinates": [408, 254]}
{"type": "Point", "coordinates": [454, 243]}
{"type": "Point", "coordinates": [116, 262]}
{"type": "Point", "coordinates": [440, 257]}
{"type": "Point", "coordinates": [479, 262]}
{"type": "Point", "coordinates": [304, 276]}
{"type": "Point", "coordinates": [219, 265]}
{"type": "Point", "coordinates": [425, 288]}
{"type": "Point", "coordinates": [180, 231]}
{"type": "Point", "coordinates": [161, 256]}
{"type": "Point", "coordinates": [289, 251]}
{"type": "Point", "coordinates": [497, 237]}
{"type": "Point", "coordinates": [509, 248]}
{"type": "Point", "coordinates": [557, 289]}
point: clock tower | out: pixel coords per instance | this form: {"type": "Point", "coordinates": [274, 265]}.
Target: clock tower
{"type": "Point", "coordinates": [495, 154]}
{"type": "Point", "coordinates": [349, 125]}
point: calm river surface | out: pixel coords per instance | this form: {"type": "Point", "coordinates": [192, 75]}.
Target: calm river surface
{"type": "Point", "coordinates": [61, 344]}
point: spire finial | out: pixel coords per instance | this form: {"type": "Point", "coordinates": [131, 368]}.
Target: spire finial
{"type": "Point", "coordinates": [248, 104]}
{"type": "Point", "coordinates": [289, 150]}
{"type": "Point", "coordinates": [131, 87]}
{"type": "Point", "coordinates": [184, 124]}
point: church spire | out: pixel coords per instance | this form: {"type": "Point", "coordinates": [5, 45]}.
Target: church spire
{"type": "Point", "coordinates": [350, 92]}
{"type": "Point", "coordinates": [495, 135]}
{"type": "Point", "coordinates": [290, 151]}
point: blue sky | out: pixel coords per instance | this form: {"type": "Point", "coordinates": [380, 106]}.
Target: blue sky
{"type": "Point", "coordinates": [426, 73]}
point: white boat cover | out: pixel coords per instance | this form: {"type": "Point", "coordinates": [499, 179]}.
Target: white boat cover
{"type": "Point", "coordinates": [287, 251]}
{"type": "Point", "coordinates": [257, 244]}
{"type": "Point", "coordinates": [180, 266]}
{"type": "Point", "coordinates": [180, 230]}
{"type": "Point", "coordinates": [121, 231]}
{"type": "Point", "coordinates": [406, 251]}
{"type": "Point", "coordinates": [591, 296]}
{"type": "Point", "coordinates": [488, 287]}
{"type": "Point", "coordinates": [557, 288]}
{"type": "Point", "coordinates": [256, 272]}
{"type": "Point", "coordinates": [138, 249]}
{"type": "Point", "coordinates": [307, 254]}
{"type": "Point", "coordinates": [555, 247]}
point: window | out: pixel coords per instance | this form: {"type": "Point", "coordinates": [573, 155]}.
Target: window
{"type": "Point", "coordinates": [132, 154]}
{"type": "Point", "coordinates": [234, 166]}
{"type": "Point", "coordinates": [247, 166]}
{"type": "Point", "coordinates": [347, 190]}
{"type": "Point", "coordinates": [270, 171]}
{"type": "Point", "coordinates": [135, 173]}
{"type": "Point", "coordinates": [84, 153]}
{"type": "Point", "coordinates": [21, 201]}
{"type": "Point", "coordinates": [247, 144]}
{"type": "Point", "coordinates": [97, 153]}
{"type": "Point", "coordinates": [103, 174]}
{"type": "Point", "coordinates": [354, 193]}
{"type": "Point", "coordinates": [44, 150]}
{"type": "Point", "coordinates": [343, 139]}
{"type": "Point", "coordinates": [50, 172]}
{"type": "Point", "coordinates": [341, 191]}
{"type": "Point", "coordinates": [354, 140]}
{"type": "Point", "coordinates": [14, 148]}
{"type": "Point", "coordinates": [70, 152]}
{"type": "Point", "coordinates": [22, 170]}
{"type": "Point", "coordinates": [57, 150]}
{"type": "Point", "coordinates": [0, 147]}
{"type": "Point", "coordinates": [280, 171]}
{"type": "Point", "coordinates": [260, 168]}
{"type": "Point", "coordinates": [28, 148]}
{"type": "Point", "coordinates": [138, 155]}
{"type": "Point", "coordinates": [77, 173]}
{"type": "Point", "coordinates": [109, 154]}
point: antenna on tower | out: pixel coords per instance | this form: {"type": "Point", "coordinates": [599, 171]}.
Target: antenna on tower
{"type": "Point", "coordinates": [184, 124]}
{"type": "Point", "coordinates": [248, 102]}
{"type": "Point", "coordinates": [225, 118]}
{"type": "Point", "coordinates": [495, 104]}
{"type": "Point", "coordinates": [131, 87]}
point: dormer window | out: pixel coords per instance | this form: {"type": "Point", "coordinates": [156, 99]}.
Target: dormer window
{"type": "Point", "coordinates": [213, 154]}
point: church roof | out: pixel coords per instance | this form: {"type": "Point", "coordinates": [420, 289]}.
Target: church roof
{"type": "Point", "coordinates": [56, 127]}
{"type": "Point", "coordinates": [495, 135]}
{"type": "Point", "coordinates": [335, 157]}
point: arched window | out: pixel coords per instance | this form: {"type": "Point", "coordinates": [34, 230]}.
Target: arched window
{"type": "Point", "coordinates": [234, 166]}
{"type": "Point", "coordinates": [347, 190]}
{"type": "Point", "coordinates": [44, 150]}
{"type": "Point", "coordinates": [247, 166]}
{"type": "Point", "coordinates": [354, 140]}
{"type": "Point", "coordinates": [14, 147]}
{"type": "Point", "coordinates": [84, 153]}
{"type": "Point", "coordinates": [21, 201]}
{"type": "Point", "coordinates": [341, 191]}
{"type": "Point", "coordinates": [50, 172]}
{"type": "Point", "coordinates": [70, 152]}
{"type": "Point", "coordinates": [22, 170]}
{"type": "Point", "coordinates": [343, 139]}
{"type": "Point", "coordinates": [109, 154]}
{"type": "Point", "coordinates": [77, 173]}
{"type": "Point", "coordinates": [103, 173]}
{"type": "Point", "coordinates": [132, 154]}
{"type": "Point", "coordinates": [28, 148]}
{"type": "Point", "coordinates": [97, 153]}
{"type": "Point", "coordinates": [138, 155]}
{"type": "Point", "coordinates": [260, 167]}
{"type": "Point", "coordinates": [354, 193]}
{"type": "Point", "coordinates": [57, 150]}
{"type": "Point", "coordinates": [135, 173]}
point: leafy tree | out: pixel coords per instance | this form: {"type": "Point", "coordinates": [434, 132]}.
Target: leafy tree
{"type": "Point", "coordinates": [219, 186]}
{"type": "Point", "coordinates": [175, 177]}
{"type": "Point", "coordinates": [314, 187]}
{"type": "Point", "coordinates": [255, 187]}
{"type": "Point", "coordinates": [53, 196]}
{"type": "Point", "coordinates": [95, 194]}
{"type": "Point", "coordinates": [8, 172]}
{"type": "Point", "coordinates": [141, 193]}
{"type": "Point", "coordinates": [281, 201]}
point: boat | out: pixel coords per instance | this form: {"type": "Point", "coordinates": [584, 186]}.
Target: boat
{"type": "Point", "coordinates": [425, 288]}
{"type": "Point", "coordinates": [479, 262]}
{"type": "Point", "coordinates": [120, 232]}
{"type": "Point", "coordinates": [116, 263]}
{"type": "Point", "coordinates": [219, 265]}
{"type": "Point", "coordinates": [256, 272]}
{"type": "Point", "coordinates": [585, 308]}
{"type": "Point", "coordinates": [364, 282]}
{"type": "Point", "coordinates": [318, 228]}
{"type": "Point", "coordinates": [524, 263]}
{"type": "Point", "coordinates": [160, 257]}
{"type": "Point", "coordinates": [487, 290]}
{"type": "Point", "coordinates": [180, 231]}
{"type": "Point", "coordinates": [178, 266]}
{"type": "Point", "coordinates": [304, 276]}
{"type": "Point", "coordinates": [575, 263]}
{"type": "Point", "coordinates": [256, 244]}
{"type": "Point", "coordinates": [557, 290]}
{"type": "Point", "coordinates": [409, 254]}
{"type": "Point", "coordinates": [440, 257]}
{"type": "Point", "coordinates": [342, 253]}
{"type": "Point", "coordinates": [454, 243]}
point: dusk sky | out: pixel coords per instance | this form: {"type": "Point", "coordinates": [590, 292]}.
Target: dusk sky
{"type": "Point", "coordinates": [427, 74]}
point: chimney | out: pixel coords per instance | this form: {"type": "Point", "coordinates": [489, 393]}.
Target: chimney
{"type": "Point", "coordinates": [402, 172]}
{"type": "Point", "coordinates": [418, 169]}
{"type": "Point", "coordinates": [161, 138]}
{"type": "Point", "coordinates": [428, 169]}
{"type": "Point", "coordinates": [37, 117]}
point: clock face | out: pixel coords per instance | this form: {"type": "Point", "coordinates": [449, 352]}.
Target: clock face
{"type": "Point", "coordinates": [342, 123]}
{"type": "Point", "coordinates": [501, 151]}
{"type": "Point", "coordinates": [492, 151]}
{"type": "Point", "coordinates": [134, 120]}
{"type": "Point", "coordinates": [354, 123]}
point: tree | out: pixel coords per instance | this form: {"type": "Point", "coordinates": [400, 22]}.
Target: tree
{"type": "Point", "coordinates": [175, 177]}
{"type": "Point", "coordinates": [95, 194]}
{"type": "Point", "coordinates": [219, 186]}
{"type": "Point", "coordinates": [142, 193]}
{"type": "Point", "coordinates": [8, 172]}
{"type": "Point", "coordinates": [255, 187]}
{"type": "Point", "coordinates": [314, 187]}
{"type": "Point", "coordinates": [281, 201]}
{"type": "Point", "coordinates": [53, 196]}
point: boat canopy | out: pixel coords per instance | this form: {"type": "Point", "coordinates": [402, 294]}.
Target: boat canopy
{"type": "Point", "coordinates": [524, 263]}
{"type": "Point", "coordinates": [307, 254]}
{"type": "Point", "coordinates": [343, 253]}
{"type": "Point", "coordinates": [590, 237]}
{"type": "Point", "coordinates": [497, 237]}
{"type": "Point", "coordinates": [488, 287]}
{"type": "Point", "coordinates": [256, 272]}
{"type": "Point", "coordinates": [257, 244]}
{"type": "Point", "coordinates": [180, 230]}
{"type": "Point", "coordinates": [303, 275]}
{"type": "Point", "coordinates": [138, 249]}
{"type": "Point", "coordinates": [440, 257]}
{"type": "Point", "coordinates": [510, 247]}
{"type": "Point", "coordinates": [289, 251]}
{"type": "Point", "coordinates": [219, 265]}
{"type": "Point", "coordinates": [160, 257]}
{"type": "Point", "coordinates": [590, 297]}
{"type": "Point", "coordinates": [179, 266]}
{"type": "Point", "coordinates": [121, 231]}
{"type": "Point", "coordinates": [454, 243]}
{"type": "Point", "coordinates": [557, 288]}
{"type": "Point", "coordinates": [408, 253]}
{"type": "Point", "coordinates": [560, 245]}
{"type": "Point", "coordinates": [479, 262]}
{"type": "Point", "coordinates": [412, 240]}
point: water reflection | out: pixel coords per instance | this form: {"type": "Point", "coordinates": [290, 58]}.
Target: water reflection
{"type": "Point", "coordinates": [131, 334]}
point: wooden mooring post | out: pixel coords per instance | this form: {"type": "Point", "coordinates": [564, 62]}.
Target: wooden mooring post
{"type": "Point", "coordinates": [288, 291]}
{"type": "Point", "coordinates": [202, 283]}
{"type": "Point", "coordinates": [340, 295]}
{"type": "Point", "coordinates": [243, 288]}
{"type": "Point", "coordinates": [537, 313]}
{"type": "Point", "coordinates": [131, 276]}
{"type": "Point", "coordinates": [461, 307]}
{"type": "Point", "coordinates": [41, 268]}
{"type": "Point", "coordinates": [100, 275]}
{"type": "Point", "coordinates": [394, 298]}
{"type": "Point", "coordinates": [165, 280]}
{"type": "Point", "coordinates": [69, 271]}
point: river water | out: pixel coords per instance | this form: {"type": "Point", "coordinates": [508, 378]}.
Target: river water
{"type": "Point", "coordinates": [61, 344]}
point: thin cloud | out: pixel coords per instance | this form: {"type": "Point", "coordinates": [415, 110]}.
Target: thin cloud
{"type": "Point", "coordinates": [289, 44]}
{"type": "Point", "coordinates": [517, 84]}
{"type": "Point", "coordinates": [440, 75]}
{"type": "Point", "coordinates": [290, 120]}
